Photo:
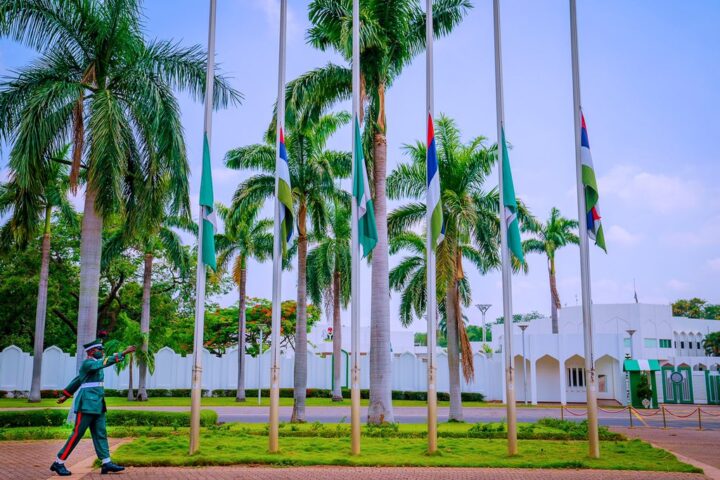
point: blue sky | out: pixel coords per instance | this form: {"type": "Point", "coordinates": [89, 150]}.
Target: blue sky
{"type": "Point", "coordinates": [649, 77]}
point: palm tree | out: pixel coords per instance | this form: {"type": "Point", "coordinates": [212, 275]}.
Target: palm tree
{"type": "Point", "coordinates": [472, 233]}
{"type": "Point", "coordinates": [313, 170]}
{"type": "Point", "coordinates": [101, 85]}
{"type": "Point", "coordinates": [556, 233]}
{"type": "Point", "coordinates": [155, 238]}
{"type": "Point", "coordinates": [392, 33]}
{"type": "Point", "coordinates": [246, 237]}
{"type": "Point", "coordinates": [31, 210]}
{"type": "Point", "coordinates": [328, 274]}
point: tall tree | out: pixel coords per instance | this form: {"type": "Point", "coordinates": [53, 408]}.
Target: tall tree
{"type": "Point", "coordinates": [556, 233]}
{"type": "Point", "coordinates": [32, 211]}
{"type": "Point", "coordinates": [100, 84]}
{"type": "Point", "coordinates": [472, 233]}
{"type": "Point", "coordinates": [328, 274]}
{"type": "Point", "coordinates": [392, 34]}
{"type": "Point", "coordinates": [246, 237]}
{"type": "Point", "coordinates": [313, 171]}
{"type": "Point", "coordinates": [156, 239]}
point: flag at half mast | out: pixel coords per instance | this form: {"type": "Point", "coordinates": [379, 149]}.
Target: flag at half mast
{"type": "Point", "coordinates": [207, 210]}
{"type": "Point", "coordinates": [284, 193]}
{"type": "Point", "coordinates": [367, 231]}
{"type": "Point", "coordinates": [595, 230]}
{"type": "Point", "coordinates": [437, 226]}
{"type": "Point", "coordinates": [510, 204]}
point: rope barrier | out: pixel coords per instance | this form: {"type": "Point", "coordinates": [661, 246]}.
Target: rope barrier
{"type": "Point", "coordinates": [615, 410]}
{"type": "Point", "coordinates": [682, 416]}
{"type": "Point", "coordinates": [711, 414]}
{"type": "Point", "coordinates": [576, 414]}
{"type": "Point", "coordinates": [657, 412]}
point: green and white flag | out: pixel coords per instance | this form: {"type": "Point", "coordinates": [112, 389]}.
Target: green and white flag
{"type": "Point", "coordinates": [367, 231]}
{"type": "Point", "coordinates": [207, 212]}
{"type": "Point", "coordinates": [510, 204]}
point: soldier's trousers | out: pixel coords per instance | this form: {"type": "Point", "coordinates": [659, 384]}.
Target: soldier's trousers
{"type": "Point", "coordinates": [98, 430]}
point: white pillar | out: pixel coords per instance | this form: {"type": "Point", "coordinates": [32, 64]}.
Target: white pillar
{"type": "Point", "coordinates": [533, 382]}
{"type": "Point", "coordinates": [563, 389]}
{"type": "Point", "coordinates": [504, 390]}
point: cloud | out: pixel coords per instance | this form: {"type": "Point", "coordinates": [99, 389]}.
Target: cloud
{"type": "Point", "coordinates": [677, 285]}
{"type": "Point", "coordinates": [656, 191]}
{"type": "Point", "coordinates": [707, 233]}
{"type": "Point", "coordinates": [617, 235]}
{"type": "Point", "coordinates": [714, 264]}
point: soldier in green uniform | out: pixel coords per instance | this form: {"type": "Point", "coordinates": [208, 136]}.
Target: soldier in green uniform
{"type": "Point", "coordinates": [89, 407]}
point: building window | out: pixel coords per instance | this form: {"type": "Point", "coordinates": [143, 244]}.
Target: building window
{"type": "Point", "coordinates": [576, 377]}
{"type": "Point", "coordinates": [698, 345]}
{"type": "Point", "coordinates": [682, 345]}
{"type": "Point", "coordinates": [627, 343]}
{"type": "Point", "coordinates": [665, 343]}
{"type": "Point", "coordinates": [602, 383]}
{"type": "Point", "coordinates": [650, 343]}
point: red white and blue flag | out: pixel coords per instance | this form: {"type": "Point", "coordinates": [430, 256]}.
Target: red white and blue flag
{"type": "Point", "coordinates": [284, 193]}
{"type": "Point", "coordinates": [594, 225]}
{"type": "Point", "coordinates": [434, 204]}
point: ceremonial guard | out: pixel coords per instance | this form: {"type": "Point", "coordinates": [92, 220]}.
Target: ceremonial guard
{"type": "Point", "coordinates": [89, 407]}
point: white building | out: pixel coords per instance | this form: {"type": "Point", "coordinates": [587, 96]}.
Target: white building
{"type": "Point", "coordinates": [554, 363]}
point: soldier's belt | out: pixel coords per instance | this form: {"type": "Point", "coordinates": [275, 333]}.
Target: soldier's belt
{"type": "Point", "coordinates": [91, 385]}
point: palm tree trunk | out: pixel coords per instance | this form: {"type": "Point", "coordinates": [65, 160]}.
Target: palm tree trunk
{"type": "Point", "coordinates": [41, 310]}
{"type": "Point", "coordinates": [131, 395]}
{"type": "Point", "coordinates": [453, 348]}
{"type": "Point", "coordinates": [337, 340]}
{"type": "Point", "coordinates": [145, 325]}
{"type": "Point", "coordinates": [90, 251]}
{"type": "Point", "coordinates": [554, 296]}
{"type": "Point", "coordinates": [380, 407]}
{"type": "Point", "coordinates": [300, 380]}
{"type": "Point", "coordinates": [240, 396]}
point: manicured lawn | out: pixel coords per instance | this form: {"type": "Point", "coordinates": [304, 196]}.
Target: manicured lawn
{"type": "Point", "coordinates": [219, 447]}
{"type": "Point", "coordinates": [230, 402]}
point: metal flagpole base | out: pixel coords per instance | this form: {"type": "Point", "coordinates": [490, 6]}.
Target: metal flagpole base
{"type": "Point", "coordinates": [355, 411]}
{"type": "Point", "coordinates": [274, 409]}
{"type": "Point", "coordinates": [432, 410]}
{"type": "Point", "coordinates": [195, 397]}
{"type": "Point", "coordinates": [511, 412]}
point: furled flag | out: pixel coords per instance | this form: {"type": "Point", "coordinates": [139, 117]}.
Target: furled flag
{"type": "Point", "coordinates": [510, 203]}
{"type": "Point", "coordinates": [209, 223]}
{"type": "Point", "coordinates": [284, 195]}
{"type": "Point", "coordinates": [594, 226]}
{"type": "Point", "coordinates": [437, 226]}
{"type": "Point", "coordinates": [367, 231]}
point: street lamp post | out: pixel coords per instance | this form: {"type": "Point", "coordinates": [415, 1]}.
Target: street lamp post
{"type": "Point", "coordinates": [483, 307]}
{"type": "Point", "coordinates": [522, 328]}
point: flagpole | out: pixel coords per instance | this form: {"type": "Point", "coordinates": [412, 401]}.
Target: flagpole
{"type": "Point", "coordinates": [431, 280]}
{"type": "Point", "coordinates": [355, 244]}
{"type": "Point", "coordinates": [590, 386]}
{"type": "Point", "coordinates": [277, 248]}
{"type": "Point", "coordinates": [196, 390]}
{"type": "Point", "coordinates": [506, 267]}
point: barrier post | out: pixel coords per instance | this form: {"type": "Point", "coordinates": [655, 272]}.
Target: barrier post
{"type": "Point", "coordinates": [699, 419]}
{"type": "Point", "coordinates": [630, 415]}
{"type": "Point", "coordinates": [664, 421]}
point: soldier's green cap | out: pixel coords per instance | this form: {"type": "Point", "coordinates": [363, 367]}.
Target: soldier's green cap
{"type": "Point", "coordinates": [97, 343]}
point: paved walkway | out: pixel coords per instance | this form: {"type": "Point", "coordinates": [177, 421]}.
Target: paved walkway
{"type": "Point", "coordinates": [699, 448]}
{"type": "Point", "coordinates": [375, 473]}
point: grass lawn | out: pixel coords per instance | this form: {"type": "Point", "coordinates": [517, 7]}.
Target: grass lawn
{"type": "Point", "coordinates": [230, 402]}
{"type": "Point", "coordinates": [229, 447]}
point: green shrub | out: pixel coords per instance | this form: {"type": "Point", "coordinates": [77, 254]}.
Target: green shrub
{"type": "Point", "coordinates": [578, 430]}
{"type": "Point", "coordinates": [133, 418]}
{"type": "Point", "coordinates": [32, 418]}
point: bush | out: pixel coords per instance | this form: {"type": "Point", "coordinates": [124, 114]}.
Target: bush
{"type": "Point", "coordinates": [135, 418]}
{"type": "Point", "coordinates": [578, 430]}
{"type": "Point", "coordinates": [32, 418]}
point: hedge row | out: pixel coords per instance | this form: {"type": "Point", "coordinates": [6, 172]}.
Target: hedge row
{"type": "Point", "coordinates": [284, 392]}
{"type": "Point", "coordinates": [127, 418]}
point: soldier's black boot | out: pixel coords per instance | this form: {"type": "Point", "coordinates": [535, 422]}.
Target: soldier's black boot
{"type": "Point", "coordinates": [60, 469]}
{"type": "Point", "coordinates": [110, 468]}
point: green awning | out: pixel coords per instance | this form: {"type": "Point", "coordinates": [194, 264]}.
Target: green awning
{"type": "Point", "coordinates": [632, 365]}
